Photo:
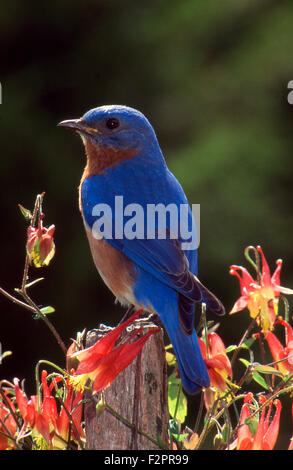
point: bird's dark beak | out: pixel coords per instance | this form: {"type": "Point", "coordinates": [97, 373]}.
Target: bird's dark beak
{"type": "Point", "coordinates": [75, 124]}
{"type": "Point", "coordinates": [79, 125]}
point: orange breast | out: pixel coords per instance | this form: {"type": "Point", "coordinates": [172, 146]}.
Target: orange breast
{"type": "Point", "coordinates": [116, 270]}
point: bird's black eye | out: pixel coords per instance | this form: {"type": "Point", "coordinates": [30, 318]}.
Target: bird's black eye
{"type": "Point", "coordinates": [112, 123]}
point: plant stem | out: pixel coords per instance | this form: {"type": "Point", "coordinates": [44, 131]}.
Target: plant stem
{"type": "Point", "coordinates": [17, 301]}
{"type": "Point", "coordinates": [51, 327]}
{"type": "Point", "coordinates": [29, 304]}
{"type": "Point", "coordinates": [199, 413]}
{"type": "Point", "coordinates": [247, 332]}
{"type": "Point", "coordinates": [211, 420]}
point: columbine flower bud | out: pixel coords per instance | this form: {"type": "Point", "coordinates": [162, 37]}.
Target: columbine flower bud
{"type": "Point", "coordinates": [40, 245]}
{"type": "Point", "coordinates": [100, 408]}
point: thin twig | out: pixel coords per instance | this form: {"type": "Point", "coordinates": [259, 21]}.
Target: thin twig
{"type": "Point", "coordinates": [17, 301]}
{"type": "Point", "coordinates": [51, 327]}
{"type": "Point", "coordinates": [247, 332]}
{"type": "Point", "coordinates": [199, 413]}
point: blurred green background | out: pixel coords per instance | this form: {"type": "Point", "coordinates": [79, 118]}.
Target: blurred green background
{"type": "Point", "coordinates": [211, 77]}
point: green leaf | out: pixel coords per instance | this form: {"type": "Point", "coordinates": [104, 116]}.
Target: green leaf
{"type": "Point", "coordinates": [248, 343]}
{"type": "Point", "coordinates": [225, 432]}
{"type": "Point", "coordinates": [181, 437]}
{"type": "Point", "coordinates": [176, 398]}
{"type": "Point", "coordinates": [25, 212]}
{"type": "Point", "coordinates": [266, 370]}
{"type": "Point", "coordinates": [5, 354]}
{"type": "Point", "coordinates": [47, 310]}
{"type": "Point", "coordinates": [252, 424]}
{"type": "Point", "coordinates": [260, 380]}
{"type": "Point", "coordinates": [245, 362]}
{"type": "Point", "coordinates": [245, 345]}
{"type": "Point", "coordinates": [231, 348]}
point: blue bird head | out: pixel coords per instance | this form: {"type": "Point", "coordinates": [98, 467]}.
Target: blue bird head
{"type": "Point", "coordinates": [114, 126]}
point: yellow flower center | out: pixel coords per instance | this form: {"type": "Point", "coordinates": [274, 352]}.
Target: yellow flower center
{"type": "Point", "coordinates": [40, 441]}
{"type": "Point", "coordinates": [78, 382]}
{"type": "Point", "coordinates": [263, 305]}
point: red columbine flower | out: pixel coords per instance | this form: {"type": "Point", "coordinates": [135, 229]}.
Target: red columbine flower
{"type": "Point", "coordinates": [102, 362]}
{"type": "Point", "coordinates": [50, 429]}
{"type": "Point", "coordinates": [218, 366]}
{"type": "Point", "coordinates": [7, 425]}
{"type": "Point", "coordinates": [261, 298]}
{"type": "Point", "coordinates": [280, 353]}
{"type": "Point", "coordinates": [266, 433]}
{"type": "Point", "coordinates": [40, 245]}
{"type": "Point", "coordinates": [40, 418]}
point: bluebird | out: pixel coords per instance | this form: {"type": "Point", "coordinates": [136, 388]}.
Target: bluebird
{"type": "Point", "coordinates": [157, 273]}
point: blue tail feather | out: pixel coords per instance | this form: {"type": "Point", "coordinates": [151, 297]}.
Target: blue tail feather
{"type": "Point", "coordinates": [192, 368]}
{"type": "Point", "coordinates": [164, 301]}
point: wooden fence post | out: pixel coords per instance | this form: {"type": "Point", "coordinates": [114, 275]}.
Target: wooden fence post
{"type": "Point", "coordinates": [139, 395]}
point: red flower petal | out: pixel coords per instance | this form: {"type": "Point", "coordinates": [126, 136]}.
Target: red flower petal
{"type": "Point", "coordinates": [244, 436]}
{"type": "Point", "coordinates": [127, 354]}
{"type": "Point", "coordinates": [266, 274]}
{"type": "Point", "coordinates": [106, 343]}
